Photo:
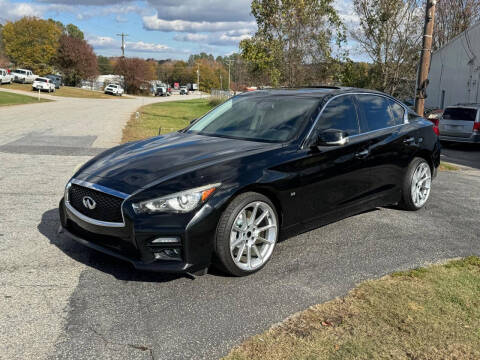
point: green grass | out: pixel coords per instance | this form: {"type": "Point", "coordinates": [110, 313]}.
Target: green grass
{"type": "Point", "coordinates": [67, 91]}
{"type": "Point", "coordinates": [425, 313]}
{"type": "Point", "coordinates": [7, 99]}
{"type": "Point", "coordinates": [169, 116]}
{"type": "Point", "coordinates": [447, 167]}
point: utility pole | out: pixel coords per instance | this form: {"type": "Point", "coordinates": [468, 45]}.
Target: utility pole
{"type": "Point", "coordinates": [422, 81]}
{"type": "Point", "coordinates": [123, 42]}
{"type": "Point", "coordinates": [221, 82]}
{"type": "Point", "coordinates": [198, 76]}
{"type": "Point", "coordinates": [229, 64]}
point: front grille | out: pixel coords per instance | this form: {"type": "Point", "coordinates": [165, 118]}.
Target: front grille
{"type": "Point", "coordinates": [108, 207]}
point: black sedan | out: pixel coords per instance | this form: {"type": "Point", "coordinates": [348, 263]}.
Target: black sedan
{"type": "Point", "coordinates": [222, 190]}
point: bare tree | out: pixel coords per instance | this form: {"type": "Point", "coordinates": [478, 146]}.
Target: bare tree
{"type": "Point", "coordinates": [452, 18]}
{"type": "Point", "coordinates": [389, 32]}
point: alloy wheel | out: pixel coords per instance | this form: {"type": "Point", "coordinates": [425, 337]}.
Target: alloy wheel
{"type": "Point", "coordinates": [253, 236]}
{"type": "Point", "coordinates": [421, 183]}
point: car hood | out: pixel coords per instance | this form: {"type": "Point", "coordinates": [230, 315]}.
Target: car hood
{"type": "Point", "coordinates": [133, 166]}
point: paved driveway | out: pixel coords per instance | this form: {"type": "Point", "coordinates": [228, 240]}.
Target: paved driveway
{"type": "Point", "coordinates": [59, 300]}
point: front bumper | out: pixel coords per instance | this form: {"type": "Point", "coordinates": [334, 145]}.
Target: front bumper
{"type": "Point", "coordinates": [133, 242]}
{"type": "Point", "coordinates": [473, 139]}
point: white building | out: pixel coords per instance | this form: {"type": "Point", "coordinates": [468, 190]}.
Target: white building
{"type": "Point", "coordinates": [455, 71]}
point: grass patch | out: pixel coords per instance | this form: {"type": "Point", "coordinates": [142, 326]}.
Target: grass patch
{"type": "Point", "coordinates": [7, 99]}
{"type": "Point", "coordinates": [169, 116]}
{"type": "Point", "coordinates": [216, 100]}
{"type": "Point", "coordinates": [447, 167]}
{"type": "Point", "coordinates": [425, 313]}
{"type": "Point", "coordinates": [66, 91]}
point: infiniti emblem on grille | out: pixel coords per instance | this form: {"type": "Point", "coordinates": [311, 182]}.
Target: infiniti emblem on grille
{"type": "Point", "coordinates": [89, 203]}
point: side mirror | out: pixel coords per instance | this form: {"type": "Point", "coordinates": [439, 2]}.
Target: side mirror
{"type": "Point", "coordinates": [331, 137]}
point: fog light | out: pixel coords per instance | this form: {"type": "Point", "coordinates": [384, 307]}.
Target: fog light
{"type": "Point", "coordinates": [167, 240]}
{"type": "Point", "coordinates": [168, 254]}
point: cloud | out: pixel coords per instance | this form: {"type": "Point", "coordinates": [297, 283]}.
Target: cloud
{"type": "Point", "coordinates": [141, 46]}
{"type": "Point", "coordinates": [102, 42]}
{"type": "Point", "coordinates": [155, 23]}
{"type": "Point", "coordinates": [230, 38]}
{"type": "Point", "coordinates": [203, 10]}
{"type": "Point", "coordinates": [14, 11]}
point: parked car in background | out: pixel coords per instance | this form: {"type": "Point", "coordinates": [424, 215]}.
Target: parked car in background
{"type": "Point", "coordinates": [460, 123]}
{"type": "Point", "coordinates": [56, 79]}
{"type": "Point", "coordinates": [114, 89]}
{"type": "Point", "coordinates": [184, 90]}
{"type": "Point", "coordinates": [23, 76]}
{"type": "Point", "coordinates": [43, 84]}
{"type": "Point", "coordinates": [163, 90]}
{"type": "Point", "coordinates": [5, 77]}
{"type": "Point", "coordinates": [224, 188]}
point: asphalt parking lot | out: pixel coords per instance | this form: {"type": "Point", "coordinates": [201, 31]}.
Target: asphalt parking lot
{"type": "Point", "coordinates": [59, 300]}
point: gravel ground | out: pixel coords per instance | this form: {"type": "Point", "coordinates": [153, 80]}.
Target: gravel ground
{"type": "Point", "coordinates": [59, 300]}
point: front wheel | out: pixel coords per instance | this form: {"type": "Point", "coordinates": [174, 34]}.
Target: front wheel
{"type": "Point", "coordinates": [416, 185]}
{"type": "Point", "coordinates": [246, 234]}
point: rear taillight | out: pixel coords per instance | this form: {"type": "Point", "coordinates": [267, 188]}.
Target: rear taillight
{"type": "Point", "coordinates": [476, 127]}
{"type": "Point", "coordinates": [435, 122]}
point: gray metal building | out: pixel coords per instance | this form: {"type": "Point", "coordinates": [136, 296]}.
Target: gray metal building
{"type": "Point", "coordinates": [455, 71]}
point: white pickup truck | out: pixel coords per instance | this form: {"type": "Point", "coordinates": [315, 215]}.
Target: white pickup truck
{"type": "Point", "coordinates": [43, 84]}
{"type": "Point", "coordinates": [5, 77]}
{"type": "Point", "coordinates": [23, 76]}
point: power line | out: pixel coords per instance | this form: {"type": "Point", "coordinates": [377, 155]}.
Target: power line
{"type": "Point", "coordinates": [123, 42]}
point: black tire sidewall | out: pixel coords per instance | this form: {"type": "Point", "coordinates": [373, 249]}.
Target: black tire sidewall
{"type": "Point", "coordinates": [222, 235]}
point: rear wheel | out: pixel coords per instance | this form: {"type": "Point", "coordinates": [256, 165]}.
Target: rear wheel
{"type": "Point", "coordinates": [416, 185]}
{"type": "Point", "coordinates": [246, 234]}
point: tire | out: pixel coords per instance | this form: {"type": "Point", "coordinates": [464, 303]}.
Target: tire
{"type": "Point", "coordinates": [416, 185]}
{"type": "Point", "coordinates": [252, 249]}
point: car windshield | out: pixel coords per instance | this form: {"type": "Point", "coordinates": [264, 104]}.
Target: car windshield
{"type": "Point", "coordinates": [41, 80]}
{"type": "Point", "coordinates": [459, 113]}
{"type": "Point", "coordinates": [258, 118]}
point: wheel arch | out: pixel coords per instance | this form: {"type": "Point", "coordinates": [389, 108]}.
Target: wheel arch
{"type": "Point", "coordinates": [265, 191]}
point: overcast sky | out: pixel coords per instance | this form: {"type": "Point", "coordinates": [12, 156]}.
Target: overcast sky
{"type": "Point", "coordinates": [157, 28]}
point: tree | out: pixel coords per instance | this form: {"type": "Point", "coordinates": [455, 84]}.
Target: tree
{"type": "Point", "coordinates": [104, 65]}
{"type": "Point", "coordinates": [293, 43]}
{"type": "Point", "coordinates": [390, 33]}
{"type": "Point", "coordinates": [31, 43]}
{"type": "Point", "coordinates": [356, 74]}
{"type": "Point", "coordinates": [76, 60]}
{"type": "Point", "coordinates": [74, 32]}
{"type": "Point", "coordinates": [453, 17]}
{"type": "Point", "coordinates": [134, 72]}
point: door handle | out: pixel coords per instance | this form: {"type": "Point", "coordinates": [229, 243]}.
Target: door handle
{"type": "Point", "coordinates": [362, 154]}
{"type": "Point", "coordinates": [409, 140]}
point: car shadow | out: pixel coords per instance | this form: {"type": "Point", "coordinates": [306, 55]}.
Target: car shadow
{"type": "Point", "coordinates": [121, 270]}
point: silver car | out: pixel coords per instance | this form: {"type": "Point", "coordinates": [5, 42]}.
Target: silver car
{"type": "Point", "coordinates": [461, 123]}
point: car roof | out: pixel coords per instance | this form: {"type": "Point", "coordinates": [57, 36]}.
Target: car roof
{"type": "Point", "coordinates": [466, 105]}
{"type": "Point", "coordinates": [320, 92]}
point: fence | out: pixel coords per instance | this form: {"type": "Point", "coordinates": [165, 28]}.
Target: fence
{"type": "Point", "coordinates": [221, 93]}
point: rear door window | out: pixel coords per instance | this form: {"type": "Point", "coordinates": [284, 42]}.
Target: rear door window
{"type": "Point", "coordinates": [459, 113]}
{"type": "Point", "coordinates": [380, 112]}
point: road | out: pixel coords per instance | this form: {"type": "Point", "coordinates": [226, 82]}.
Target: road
{"type": "Point", "coordinates": [462, 154]}
{"type": "Point", "coordinates": [59, 300]}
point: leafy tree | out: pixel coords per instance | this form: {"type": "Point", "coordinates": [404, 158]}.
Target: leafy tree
{"type": "Point", "coordinates": [293, 43]}
{"type": "Point", "coordinates": [32, 43]}
{"type": "Point", "coordinates": [390, 34]}
{"type": "Point", "coordinates": [134, 72]}
{"type": "Point", "coordinates": [453, 17]}
{"type": "Point", "coordinates": [104, 65]}
{"type": "Point", "coordinates": [356, 74]}
{"type": "Point", "coordinates": [76, 60]}
{"type": "Point", "coordinates": [74, 32]}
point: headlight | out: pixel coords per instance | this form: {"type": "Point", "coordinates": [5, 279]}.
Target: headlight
{"type": "Point", "coordinates": [181, 202]}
